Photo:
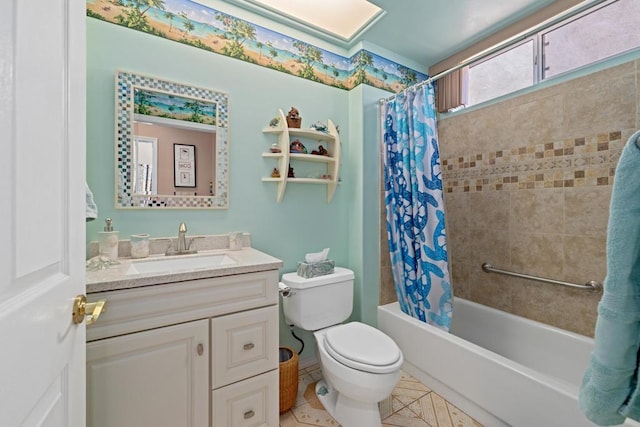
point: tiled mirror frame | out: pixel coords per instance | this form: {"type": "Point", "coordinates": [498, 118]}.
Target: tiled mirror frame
{"type": "Point", "coordinates": [125, 82]}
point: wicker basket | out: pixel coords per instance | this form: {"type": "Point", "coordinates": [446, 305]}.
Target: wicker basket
{"type": "Point", "coordinates": [294, 122]}
{"type": "Point", "coordinates": [288, 378]}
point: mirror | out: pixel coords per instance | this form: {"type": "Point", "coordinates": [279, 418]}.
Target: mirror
{"type": "Point", "coordinates": [171, 145]}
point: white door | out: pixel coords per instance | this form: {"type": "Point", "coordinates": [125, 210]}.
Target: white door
{"type": "Point", "coordinates": [42, 174]}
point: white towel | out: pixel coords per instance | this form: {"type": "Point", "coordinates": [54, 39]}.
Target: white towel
{"type": "Point", "coordinates": [92, 209]}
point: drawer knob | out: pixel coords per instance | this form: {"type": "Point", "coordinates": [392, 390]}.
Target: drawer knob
{"type": "Point", "coordinates": [249, 414]}
{"type": "Point", "coordinates": [200, 349]}
{"type": "Point", "coordinates": [249, 346]}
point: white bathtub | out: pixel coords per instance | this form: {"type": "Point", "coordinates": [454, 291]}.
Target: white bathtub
{"type": "Point", "coordinates": [501, 369]}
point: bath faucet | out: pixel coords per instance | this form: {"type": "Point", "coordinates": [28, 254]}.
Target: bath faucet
{"type": "Point", "coordinates": [183, 246]}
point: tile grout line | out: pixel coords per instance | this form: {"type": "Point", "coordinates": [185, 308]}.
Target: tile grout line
{"type": "Point", "coordinates": [308, 419]}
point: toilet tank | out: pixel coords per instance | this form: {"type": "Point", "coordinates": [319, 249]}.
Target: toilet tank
{"type": "Point", "coordinates": [318, 302]}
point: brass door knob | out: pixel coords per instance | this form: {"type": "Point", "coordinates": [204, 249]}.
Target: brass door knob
{"type": "Point", "coordinates": [91, 311]}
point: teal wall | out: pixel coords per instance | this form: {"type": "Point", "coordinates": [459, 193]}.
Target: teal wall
{"type": "Point", "coordinates": [303, 222]}
{"type": "Point", "coordinates": [370, 203]}
{"type": "Point", "coordinates": [364, 200]}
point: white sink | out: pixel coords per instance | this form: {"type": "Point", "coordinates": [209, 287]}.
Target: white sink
{"type": "Point", "coordinates": [179, 263]}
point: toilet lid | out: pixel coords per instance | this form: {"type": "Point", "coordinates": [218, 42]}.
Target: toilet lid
{"type": "Point", "coordinates": [363, 347]}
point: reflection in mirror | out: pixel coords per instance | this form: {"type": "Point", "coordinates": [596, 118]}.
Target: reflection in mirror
{"type": "Point", "coordinates": [145, 165]}
{"type": "Point", "coordinates": [166, 137]}
{"type": "Point", "coordinates": [155, 116]}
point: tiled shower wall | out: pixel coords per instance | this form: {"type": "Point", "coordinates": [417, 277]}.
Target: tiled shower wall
{"type": "Point", "coordinates": [527, 186]}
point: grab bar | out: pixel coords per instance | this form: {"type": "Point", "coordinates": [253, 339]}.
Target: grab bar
{"type": "Point", "coordinates": [591, 285]}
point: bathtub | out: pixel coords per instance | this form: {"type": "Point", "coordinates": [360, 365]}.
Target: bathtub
{"type": "Point", "coordinates": [501, 369]}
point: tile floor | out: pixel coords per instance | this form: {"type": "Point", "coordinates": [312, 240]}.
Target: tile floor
{"type": "Point", "coordinates": [411, 404]}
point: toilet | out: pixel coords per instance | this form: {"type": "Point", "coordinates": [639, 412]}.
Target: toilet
{"type": "Point", "coordinates": [360, 364]}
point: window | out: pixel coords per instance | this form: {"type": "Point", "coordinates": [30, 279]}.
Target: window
{"type": "Point", "coordinates": [596, 35]}
{"type": "Point", "coordinates": [506, 72]}
{"type": "Point", "coordinates": [606, 30]}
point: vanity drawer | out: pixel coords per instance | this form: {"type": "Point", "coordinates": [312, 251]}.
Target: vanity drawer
{"type": "Point", "coordinates": [148, 307]}
{"type": "Point", "coordinates": [243, 345]}
{"type": "Point", "coordinates": [248, 403]}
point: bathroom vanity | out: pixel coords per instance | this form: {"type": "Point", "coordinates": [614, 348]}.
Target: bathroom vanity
{"type": "Point", "coordinates": [189, 341]}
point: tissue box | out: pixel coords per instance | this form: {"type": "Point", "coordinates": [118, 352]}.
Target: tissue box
{"type": "Point", "coordinates": [321, 268]}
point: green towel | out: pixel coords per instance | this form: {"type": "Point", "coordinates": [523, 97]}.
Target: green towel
{"type": "Point", "coordinates": [610, 391]}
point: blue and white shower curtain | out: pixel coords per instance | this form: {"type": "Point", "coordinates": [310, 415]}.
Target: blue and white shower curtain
{"type": "Point", "coordinates": [414, 205]}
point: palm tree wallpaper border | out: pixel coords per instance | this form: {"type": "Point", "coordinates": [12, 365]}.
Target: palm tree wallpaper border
{"type": "Point", "coordinates": [168, 106]}
{"type": "Point", "coordinates": [196, 25]}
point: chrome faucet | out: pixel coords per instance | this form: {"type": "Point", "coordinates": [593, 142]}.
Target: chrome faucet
{"type": "Point", "coordinates": [182, 238]}
{"type": "Point", "coordinates": [183, 246]}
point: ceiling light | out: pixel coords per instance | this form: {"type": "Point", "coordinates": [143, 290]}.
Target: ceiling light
{"type": "Point", "coordinates": [341, 18]}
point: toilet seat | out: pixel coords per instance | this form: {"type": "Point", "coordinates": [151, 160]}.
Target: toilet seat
{"type": "Point", "coordinates": [363, 347]}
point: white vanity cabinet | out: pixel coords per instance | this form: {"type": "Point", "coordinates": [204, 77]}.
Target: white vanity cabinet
{"type": "Point", "coordinates": [195, 353]}
{"type": "Point", "coordinates": [244, 381]}
{"type": "Point", "coordinates": [151, 378]}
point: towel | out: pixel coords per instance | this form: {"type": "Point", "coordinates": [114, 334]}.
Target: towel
{"type": "Point", "coordinates": [610, 391]}
{"type": "Point", "coordinates": [91, 208]}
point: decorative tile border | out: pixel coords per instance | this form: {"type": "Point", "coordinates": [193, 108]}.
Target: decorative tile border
{"type": "Point", "coordinates": [196, 25]}
{"type": "Point", "coordinates": [584, 161]}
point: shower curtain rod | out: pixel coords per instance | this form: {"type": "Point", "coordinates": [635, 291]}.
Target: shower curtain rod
{"type": "Point", "coordinates": [572, 11]}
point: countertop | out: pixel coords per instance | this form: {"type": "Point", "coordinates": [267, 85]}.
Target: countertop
{"type": "Point", "coordinates": [247, 260]}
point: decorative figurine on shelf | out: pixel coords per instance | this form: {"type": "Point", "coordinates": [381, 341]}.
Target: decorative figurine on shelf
{"type": "Point", "coordinates": [297, 147]}
{"type": "Point", "coordinates": [321, 151]}
{"type": "Point", "coordinates": [275, 122]}
{"type": "Point", "coordinates": [275, 148]}
{"type": "Point", "coordinates": [293, 118]}
{"type": "Point", "coordinates": [275, 173]}
{"type": "Point", "coordinates": [291, 174]}
{"type": "Point", "coordinates": [320, 127]}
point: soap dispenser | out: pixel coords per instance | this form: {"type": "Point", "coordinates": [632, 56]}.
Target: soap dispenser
{"type": "Point", "coordinates": [108, 241]}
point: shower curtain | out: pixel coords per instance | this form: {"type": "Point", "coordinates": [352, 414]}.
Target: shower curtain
{"type": "Point", "coordinates": [414, 206]}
